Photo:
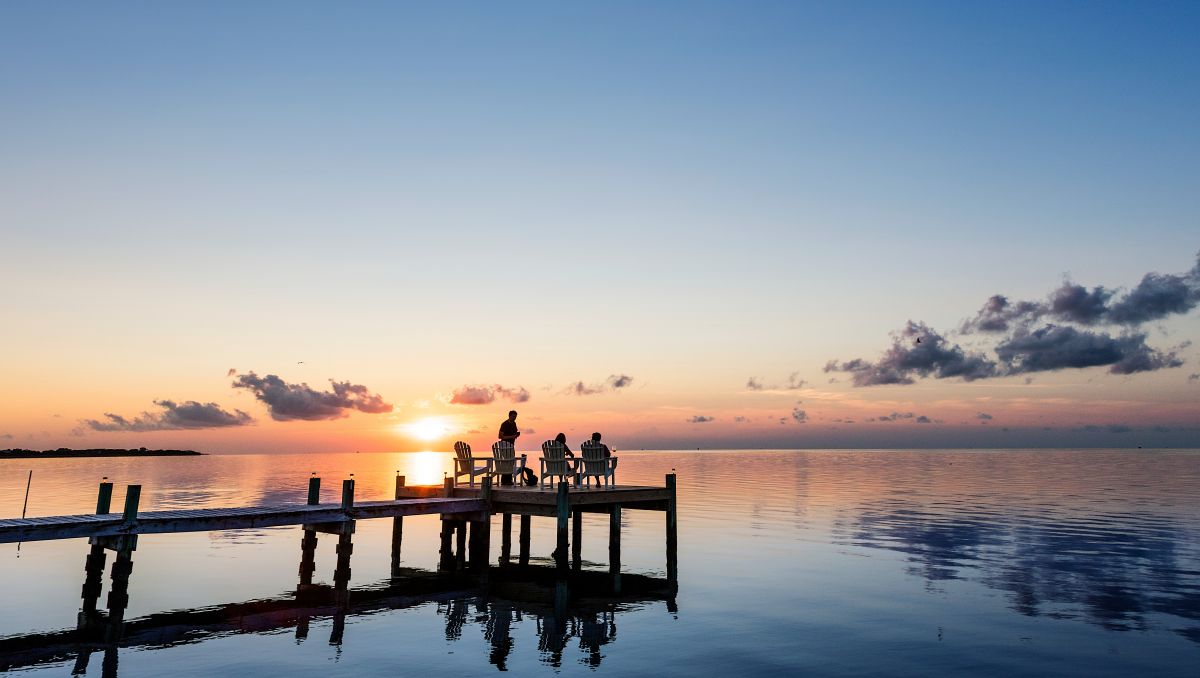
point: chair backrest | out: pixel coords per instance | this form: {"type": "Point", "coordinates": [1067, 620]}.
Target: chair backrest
{"type": "Point", "coordinates": [593, 458]}
{"type": "Point", "coordinates": [555, 454]}
{"type": "Point", "coordinates": [462, 451]}
{"type": "Point", "coordinates": [505, 455]}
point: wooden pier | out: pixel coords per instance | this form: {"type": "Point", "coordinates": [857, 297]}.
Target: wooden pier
{"type": "Point", "coordinates": [460, 508]}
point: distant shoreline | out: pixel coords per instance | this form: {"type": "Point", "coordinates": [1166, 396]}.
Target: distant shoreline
{"type": "Point", "coordinates": [64, 453]}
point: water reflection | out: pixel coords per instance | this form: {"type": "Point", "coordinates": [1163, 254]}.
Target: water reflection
{"type": "Point", "coordinates": [556, 627]}
{"type": "Point", "coordinates": [1110, 570]}
{"type": "Point", "coordinates": [562, 611]}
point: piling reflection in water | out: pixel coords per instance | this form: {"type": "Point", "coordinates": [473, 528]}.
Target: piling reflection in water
{"type": "Point", "coordinates": [579, 609]}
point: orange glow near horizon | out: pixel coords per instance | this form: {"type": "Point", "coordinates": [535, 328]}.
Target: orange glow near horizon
{"type": "Point", "coordinates": [428, 429]}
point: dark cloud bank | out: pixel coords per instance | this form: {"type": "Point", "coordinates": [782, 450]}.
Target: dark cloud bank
{"type": "Point", "coordinates": [287, 402]}
{"type": "Point", "coordinates": [175, 416]}
{"type": "Point", "coordinates": [1040, 336]}
{"type": "Point", "coordinates": [483, 394]}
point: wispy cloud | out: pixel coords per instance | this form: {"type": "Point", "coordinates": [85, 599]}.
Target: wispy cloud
{"type": "Point", "coordinates": [701, 419]}
{"type": "Point", "coordinates": [288, 402]}
{"type": "Point", "coordinates": [174, 416]}
{"type": "Point", "coordinates": [484, 394]}
{"type": "Point", "coordinates": [794, 383]}
{"type": "Point", "coordinates": [614, 382]}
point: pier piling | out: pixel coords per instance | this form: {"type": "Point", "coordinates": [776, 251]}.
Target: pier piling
{"type": "Point", "coordinates": [614, 546]}
{"type": "Point", "coordinates": [523, 538]}
{"type": "Point", "coordinates": [576, 539]}
{"type": "Point", "coordinates": [397, 529]}
{"type": "Point", "coordinates": [506, 539]}
{"type": "Point", "coordinates": [563, 513]}
{"type": "Point", "coordinates": [308, 543]}
{"type": "Point", "coordinates": [672, 534]}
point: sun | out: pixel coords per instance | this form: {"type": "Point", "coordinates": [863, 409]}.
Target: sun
{"type": "Point", "coordinates": [427, 429]}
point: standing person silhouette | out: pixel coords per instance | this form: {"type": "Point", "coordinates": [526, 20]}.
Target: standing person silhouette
{"type": "Point", "coordinates": [508, 428]}
{"type": "Point", "coordinates": [509, 432]}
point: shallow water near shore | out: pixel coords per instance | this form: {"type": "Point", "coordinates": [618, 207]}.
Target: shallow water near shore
{"type": "Point", "coordinates": [841, 563]}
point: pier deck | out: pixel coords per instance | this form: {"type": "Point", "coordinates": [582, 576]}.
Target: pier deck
{"type": "Point", "coordinates": [205, 520]}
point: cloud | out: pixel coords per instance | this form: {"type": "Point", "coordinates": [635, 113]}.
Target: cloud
{"type": "Point", "coordinates": [1194, 377]}
{"type": "Point", "coordinates": [614, 382]}
{"type": "Point", "coordinates": [909, 358]}
{"type": "Point", "coordinates": [6, 436]}
{"type": "Point", "coordinates": [701, 419]}
{"type": "Point", "coordinates": [799, 415]}
{"type": "Point", "coordinates": [895, 416]}
{"type": "Point", "coordinates": [794, 383]}
{"type": "Point", "coordinates": [1106, 428]}
{"type": "Point", "coordinates": [1060, 347]}
{"type": "Point", "coordinates": [739, 420]}
{"type": "Point", "coordinates": [288, 402]}
{"type": "Point", "coordinates": [483, 394]}
{"type": "Point", "coordinates": [231, 371]}
{"type": "Point", "coordinates": [923, 420]}
{"type": "Point", "coordinates": [1157, 296]}
{"type": "Point", "coordinates": [984, 416]}
{"type": "Point", "coordinates": [187, 415]}
{"type": "Point", "coordinates": [998, 314]}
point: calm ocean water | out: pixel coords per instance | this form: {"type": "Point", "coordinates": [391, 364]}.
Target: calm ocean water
{"type": "Point", "coordinates": [839, 563]}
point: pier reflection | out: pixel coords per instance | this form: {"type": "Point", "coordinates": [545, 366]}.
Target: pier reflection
{"type": "Point", "coordinates": [513, 609]}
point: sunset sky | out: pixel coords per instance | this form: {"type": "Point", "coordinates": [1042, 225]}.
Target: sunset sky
{"type": "Point", "coordinates": [259, 227]}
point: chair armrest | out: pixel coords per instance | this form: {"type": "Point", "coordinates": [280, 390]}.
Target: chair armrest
{"type": "Point", "coordinates": [481, 459]}
{"type": "Point", "coordinates": [613, 463]}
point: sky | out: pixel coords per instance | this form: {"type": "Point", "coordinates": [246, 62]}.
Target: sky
{"type": "Point", "coordinates": [293, 227]}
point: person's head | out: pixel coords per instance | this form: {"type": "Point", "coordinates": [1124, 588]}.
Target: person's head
{"type": "Point", "coordinates": [596, 437]}
{"type": "Point", "coordinates": [561, 438]}
{"type": "Point", "coordinates": [512, 415]}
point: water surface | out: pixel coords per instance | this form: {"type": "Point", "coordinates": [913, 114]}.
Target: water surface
{"type": "Point", "coordinates": [840, 563]}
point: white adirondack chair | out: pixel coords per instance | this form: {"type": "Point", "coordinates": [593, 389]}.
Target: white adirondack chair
{"type": "Point", "coordinates": [464, 463]}
{"type": "Point", "coordinates": [596, 465]}
{"type": "Point", "coordinates": [504, 459]}
{"type": "Point", "coordinates": [555, 463]}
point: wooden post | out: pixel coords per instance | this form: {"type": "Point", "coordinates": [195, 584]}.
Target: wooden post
{"type": "Point", "coordinates": [564, 514]}
{"type": "Point", "coordinates": [446, 559]}
{"type": "Point", "coordinates": [348, 494]}
{"type": "Point", "coordinates": [397, 530]}
{"type": "Point", "coordinates": [341, 574]}
{"type": "Point", "coordinates": [505, 538]}
{"type": "Point", "coordinates": [118, 592]}
{"type": "Point", "coordinates": [672, 534]}
{"type": "Point", "coordinates": [614, 546]}
{"type": "Point", "coordinates": [308, 543]}
{"type": "Point", "coordinates": [104, 497]}
{"type": "Point", "coordinates": [576, 539]}
{"type": "Point", "coordinates": [523, 555]}
{"type": "Point", "coordinates": [93, 568]}
{"type": "Point", "coordinates": [314, 491]}
{"type": "Point", "coordinates": [449, 525]}
{"type": "Point", "coordinates": [460, 554]}
{"type": "Point", "coordinates": [481, 531]}
{"type": "Point", "coordinates": [133, 495]}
